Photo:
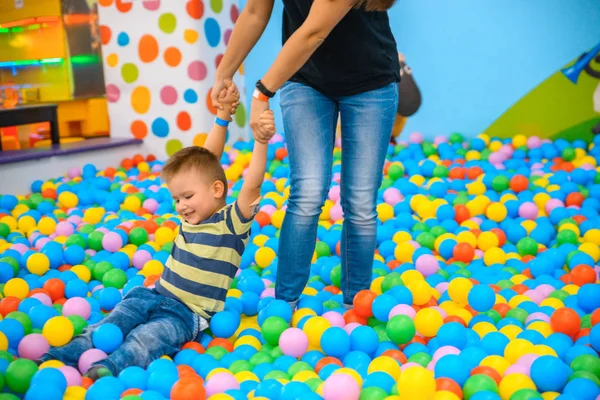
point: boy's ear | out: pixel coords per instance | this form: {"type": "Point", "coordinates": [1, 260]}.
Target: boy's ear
{"type": "Point", "coordinates": [218, 189]}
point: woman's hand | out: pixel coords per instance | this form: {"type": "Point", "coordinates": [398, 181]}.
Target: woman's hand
{"type": "Point", "coordinates": [219, 91]}
{"type": "Point", "coordinates": [258, 130]}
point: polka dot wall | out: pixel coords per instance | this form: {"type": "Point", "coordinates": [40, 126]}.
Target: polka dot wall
{"type": "Point", "coordinates": [160, 59]}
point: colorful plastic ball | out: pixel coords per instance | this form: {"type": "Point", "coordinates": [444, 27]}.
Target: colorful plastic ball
{"type": "Point", "coordinates": [481, 298]}
{"type": "Point", "coordinates": [38, 264]}
{"type": "Point", "coordinates": [224, 324]}
{"type": "Point", "coordinates": [479, 383]}
{"type": "Point", "coordinates": [427, 265]}
{"type": "Point", "coordinates": [341, 387]}
{"type": "Point", "coordinates": [77, 306]}
{"type": "Point", "coordinates": [272, 329]}
{"type": "Point", "coordinates": [19, 374]}
{"type": "Point", "coordinates": [72, 375]}
{"type": "Point", "coordinates": [293, 342]}
{"type": "Point", "coordinates": [107, 337]}
{"type": "Point", "coordinates": [88, 358]}
{"type": "Point", "coordinates": [335, 342]}
{"type": "Point", "coordinates": [220, 382]}
{"type": "Point", "coordinates": [549, 374]}
{"type": "Point", "coordinates": [58, 331]}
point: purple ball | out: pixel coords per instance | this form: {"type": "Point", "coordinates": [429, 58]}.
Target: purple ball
{"type": "Point", "coordinates": [427, 265]}
{"type": "Point", "coordinates": [220, 382]}
{"type": "Point", "coordinates": [140, 258]}
{"type": "Point", "coordinates": [88, 358]}
{"type": "Point", "coordinates": [392, 196]}
{"type": "Point", "coordinates": [33, 346]}
{"type": "Point", "coordinates": [112, 242]}
{"type": "Point", "coordinates": [528, 210]}
{"type": "Point", "coordinates": [77, 306]}
{"type": "Point", "coordinates": [64, 228]}
{"type": "Point", "coordinates": [293, 342]}
{"type": "Point", "coordinates": [150, 205]}
{"type": "Point", "coordinates": [71, 374]}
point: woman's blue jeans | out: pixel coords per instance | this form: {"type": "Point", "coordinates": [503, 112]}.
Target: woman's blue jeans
{"type": "Point", "coordinates": [309, 120]}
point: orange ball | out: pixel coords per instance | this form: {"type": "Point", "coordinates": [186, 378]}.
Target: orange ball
{"type": "Point", "coordinates": [8, 305]}
{"type": "Point", "coordinates": [351, 316]}
{"type": "Point", "coordinates": [185, 371]}
{"type": "Point", "coordinates": [474, 172]}
{"type": "Point", "coordinates": [455, 318]}
{"type": "Point", "coordinates": [197, 347]}
{"type": "Point", "coordinates": [55, 288]}
{"type": "Point", "coordinates": [489, 371]}
{"type": "Point", "coordinates": [224, 343]}
{"type": "Point", "coordinates": [448, 385]}
{"type": "Point", "coordinates": [519, 183]}
{"type": "Point", "coordinates": [565, 320]}
{"type": "Point", "coordinates": [463, 252]}
{"type": "Point", "coordinates": [574, 199]}
{"type": "Point", "coordinates": [188, 388]}
{"type": "Point", "coordinates": [131, 392]}
{"type": "Point", "coordinates": [595, 319]}
{"type": "Point", "coordinates": [396, 355]}
{"type": "Point", "coordinates": [582, 274]}
{"type": "Point", "coordinates": [456, 173]}
{"type": "Point", "coordinates": [262, 218]}
{"type": "Point", "coordinates": [363, 302]}
{"type": "Point", "coordinates": [501, 236]}
{"type": "Point", "coordinates": [462, 213]}
{"type": "Point", "coordinates": [326, 361]}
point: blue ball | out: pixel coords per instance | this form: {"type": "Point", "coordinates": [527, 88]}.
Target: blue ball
{"type": "Point", "coordinates": [582, 389]}
{"type": "Point", "coordinates": [109, 297]}
{"type": "Point", "coordinates": [452, 366]}
{"type": "Point", "coordinates": [549, 374]}
{"type": "Point", "coordinates": [107, 337]}
{"type": "Point", "coordinates": [595, 337]}
{"type": "Point", "coordinates": [50, 377]}
{"type": "Point", "coordinates": [41, 313]}
{"type": "Point", "coordinates": [74, 255]}
{"type": "Point", "coordinates": [365, 339]}
{"type": "Point", "coordinates": [481, 298]}
{"type": "Point", "coordinates": [44, 391]}
{"type": "Point", "coordinates": [108, 387]}
{"type": "Point", "coordinates": [224, 324]}
{"type": "Point", "coordinates": [335, 342]}
{"type": "Point", "coordinates": [134, 377]}
{"type": "Point", "coordinates": [452, 334]}
{"type": "Point", "coordinates": [382, 305]}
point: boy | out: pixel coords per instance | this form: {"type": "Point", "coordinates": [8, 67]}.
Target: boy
{"type": "Point", "coordinates": [205, 256]}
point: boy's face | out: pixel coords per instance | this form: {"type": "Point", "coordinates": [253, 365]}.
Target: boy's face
{"type": "Point", "coordinates": [196, 198]}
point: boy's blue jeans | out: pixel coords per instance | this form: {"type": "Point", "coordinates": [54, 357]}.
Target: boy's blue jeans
{"type": "Point", "coordinates": [153, 325]}
{"type": "Point", "coordinates": [310, 120]}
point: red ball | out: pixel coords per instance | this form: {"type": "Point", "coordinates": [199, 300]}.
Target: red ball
{"type": "Point", "coordinates": [565, 320]}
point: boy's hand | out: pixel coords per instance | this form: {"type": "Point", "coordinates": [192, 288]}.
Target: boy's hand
{"type": "Point", "coordinates": [231, 99]}
{"type": "Point", "coordinates": [267, 123]}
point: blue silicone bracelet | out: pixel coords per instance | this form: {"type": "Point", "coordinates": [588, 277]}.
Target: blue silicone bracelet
{"type": "Point", "coordinates": [221, 122]}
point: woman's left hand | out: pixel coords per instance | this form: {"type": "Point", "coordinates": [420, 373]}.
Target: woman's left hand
{"type": "Point", "coordinates": [256, 109]}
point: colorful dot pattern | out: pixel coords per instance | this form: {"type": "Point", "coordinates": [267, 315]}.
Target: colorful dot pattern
{"type": "Point", "coordinates": [159, 70]}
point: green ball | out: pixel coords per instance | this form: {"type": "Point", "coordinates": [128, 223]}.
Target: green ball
{"type": "Point", "coordinates": [23, 319]}
{"type": "Point", "coordinates": [504, 284]}
{"type": "Point", "coordinates": [585, 375]}
{"type": "Point", "coordinates": [58, 307]}
{"type": "Point", "coordinates": [272, 328]}
{"type": "Point", "coordinates": [87, 229]}
{"type": "Point", "coordinates": [336, 276]}
{"type": "Point", "coordinates": [76, 239]}
{"type": "Point", "coordinates": [568, 154]}
{"type": "Point", "coordinates": [79, 323]}
{"type": "Point", "coordinates": [167, 247]}
{"type": "Point", "coordinates": [19, 373]}
{"type": "Point", "coordinates": [494, 315]}
{"type": "Point", "coordinates": [500, 183]}
{"type": "Point", "coordinates": [426, 239]}
{"type": "Point", "coordinates": [386, 183]}
{"type": "Point", "coordinates": [95, 240]}
{"type": "Point", "coordinates": [266, 348]}
{"type": "Point", "coordinates": [526, 394]}
{"type": "Point", "coordinates": [322, 249]}
{"type": "Point", "coordinates": [597, 178]}
{"type": "Point", "coordinates": [5, 355]}
{"type": "Point", "coordinates": [420, 227]}
{"type": "Point", "coordinates": [395, 171]}
{"type": "Point", "coordinates": [420, 358]}
{"type": "Point", "coordinates": [586, 321]}
{"type": "Point", "coordinates": [276, 353]}
{"type": "Point", "coordinates": [138, 236]}
{"type": "Point", "coordinates": [373, 322]}
{"type": "Point", "coordinates": [485, 154]}
{"type": "Point", "coordinates": [518, 313]}
{"type": "Point", "coordinates": [276, 374]}
{"type": "Point", "coordinates": [314, 383]}
{"type": "Point", "coordinates": [131, 397]}
{"type": "Point", "coordinates": [566, 236]}
{"type": "Point", "coordinates": [4, 230]}
{"type": "Point", "coordinates": [331, 304]}
{"type": "Point", "coordinates": [8, 396]}
{"type": "Point", "coordinates": [440, 171]}
{"type": "Point", "coordinates": [116, 278]}
{"type": "Point", "coordinates": [217, 352]}
{"type": "Point", "coordinates": [400, 329]}
{"type": "Point", "coordinates": [381, 333]}
{"type": "Point", "coordinates": [428, 149]}
{"type": "Point", "coordinates": [456, 138]}
{"type": "Point", "coordinates": [479, 383]}
{"type": "Point", "coordinates": [299, 366]}
{"type": "Point", "coordinates": [527, 247]}
{"type": "Point", "coordinates": [437, 231]}
{"type": "Point", "coordinates": [559, 294]}
{"type": "Point", "coordinates": [586, 362]}
{"type": "Point", "coordinates": [261, 358]}
{"type": "Point", "coordinates": [392, 279]}
{"type": "Point", "coordinates": [373, 393]}
{"type": "Point", "coordinates": [240, 365]}
{"type": "Point", "coordinates": [100, 269]}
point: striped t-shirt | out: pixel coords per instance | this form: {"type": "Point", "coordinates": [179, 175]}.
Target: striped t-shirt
{"type": "Point", "coordinates": [204, 260]}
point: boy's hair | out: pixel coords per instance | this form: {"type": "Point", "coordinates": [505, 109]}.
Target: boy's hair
{"type": "Point", "coordinates": [375, 5]}
{"type": "Point", "coordinates": [198, 158]}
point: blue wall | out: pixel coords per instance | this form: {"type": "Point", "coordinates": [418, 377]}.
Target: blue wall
{"type": "Point", "coordinates": [472, 59]}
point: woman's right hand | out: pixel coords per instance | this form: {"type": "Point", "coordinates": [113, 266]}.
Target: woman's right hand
{"type": "Point", "coordinates": [219, 90]}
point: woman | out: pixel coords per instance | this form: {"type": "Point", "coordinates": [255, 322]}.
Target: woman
{"type": "Point", "coordinates": [338, 57]}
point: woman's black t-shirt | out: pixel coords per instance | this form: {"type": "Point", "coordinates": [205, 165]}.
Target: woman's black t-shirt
{"type": "Point", "coordinates": [359, 54]}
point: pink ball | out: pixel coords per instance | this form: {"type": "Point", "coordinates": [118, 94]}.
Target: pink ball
{"type": "Point", "coordinates": [416, 137]}
{"type": "Point", "coordinates": [341, 387]}
{"type": "Point", "coordinates": [336, 213]}
{"type": "Point", "coordinates": [479, 253]}
{"type": "Point", "coordinates": [112, 242]}
{"type": "Point", "coordinates": [74, 172]}
{"type": "Point", "coordinates": [150, 205]}
{"type": "Point", "coordinates": [534, 295]}
{"type": "Point", "coordinates": [140, 258]}
{"type": "Point", "coordinates": [527, 359]}
{"type": "Point", "coordinates": [537, 316]}
{"type": "Point", "coordinates": [268, 292]}
{"type": "Point", "coordinates": [103, 230]}
{"type": "Point", "coordinates": [21, 248]}
{"type": "Point", "coordinates": [44, 298]}
{"type": "Point", "coordinates": [76, 219]}
{"type": "Point", "coordinates": [409, 365]}
{"type": "Point", "coordinates": [33, 346]}
{"type": "Point", "coordinates": [552, 204]}
{"type": "Point", "coordinates": [439, 140]}
{"type": "Point", "coordinates": [445, 351]}
{"type": "Point", "coordinates": [402, 309]}
{"type": "Point", "coordinates": [293, 342]}
{"type": "Point", "coordinates": [545, 289]}
{"type": "Point", "coordinates": [442, 287]}
{"type": "Point", "coordinates": [77, 306]}
{"type": "Point", "coordinates": [71, 374]}
{"type": "Point", "coordinates": [334, 193]}
{"type": "Point", "coordinates": [533, 142]}
{"type": "Point", "coordinates": [42, 242]}
{"type": "Point", "coordinates": [431, 366]}
{"type": "Point", "coordinates": [528, 210]}
{"type": "Point", "coordinates": [392, 196]}
{"type": "Point", "coordinates": [64, 228]}
{"type": "Point", "coordinates": [351, 326]}
{"type": "Point", "coordinates": [90, 252]}
{"type": "Point", "coordinates": [336, 319]}
{"type": "Point", "coordinates": [496, 158]}
{"type": "Point", "coordinates": [427, 265]}
{"type": "Point", "coordinates": [506, 149]}
{"type": "Point", "coordinates": [268, 209]}
{"type": "Point", "coordinates": [33, 236]}
{"type": "Point", "coordinates": [220, 382]}
{"type": "Point", "coordinates": [517, 369]}
{"type": "Point", "coordinates": [88, 358]}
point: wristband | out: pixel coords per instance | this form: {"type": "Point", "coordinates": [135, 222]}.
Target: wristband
{"type": "Point", "coordinates": [260, 96]}
{"type": "Point", "coordinates": [222, 122]}
{"type": "Point", "coordinates": [263, 89]}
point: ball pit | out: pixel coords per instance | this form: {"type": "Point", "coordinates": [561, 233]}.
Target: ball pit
{"type": "Point", "coordinates": [485, 282]}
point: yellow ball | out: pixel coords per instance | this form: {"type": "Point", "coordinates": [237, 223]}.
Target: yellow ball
{"type": "Point", "coordinates": [376, 285]}
{"type": "Point", "coordinates": [511, 331]}
{"type": "Point", "coordinates": [495, 255]}
{"type": "Point", "coordinates": [519, 141]}
{"type": "Point", "coordinates": [416, 383]}
{"type": "Point", "coordinates": [264, 256]}
{"type": "Point", "coordinates": [220, 396]}
{"type": "Point", "coordinates": [498, 363]}
{"type": "Point", "coordinates": [458, 290]}
{"type": "Point", "coordinates": [514, 382]}
{"type": "Point", "coordinates": [550, 395]}
{"type": "Point", "coordinates": [152, 267]}
{"type": "Point", "coordinates": [385, 364]}
{"type": "Point", "coordinates": [248, 340]}
{"type": "Point", "coordinates": [517, 348]}
{"type": "Point", "coordinates": [487, 240]}
{"type": "Point", "coordinates": [131, 203]}
{"type": "Point", "coordinates": [52, 364]}
{"type": "Point", "coordinates": [93, 215]}
{"type": "Point", "coordinates": [304, 376]}
{"type": "Point", "coordinates": [426, 210]}
{"type": "Point", "coordinates": [385, 212]}
{"type": "Point", "coordinates": [277, 218]}
{"type": "Point", "coordinates": [591, 249]}
{"type": "Point", "coordinates": [592, 236]}
{"type": "Point", "coordinates": [542, 327]}
{"type": "Point", "coordinates": [404, 252]}
{"type": "Point", "coordinates": [428, 321]}
{"type": "Point", "coordinates": [467, 237]}
{"type": "Point", "coordinates": [401, 237]}
{"type": "Point", "coordinates": [314, 329]}
{"type": "Point", "coordinates": [38, 264]}
{"type": "Point", "coordinates": [58, 331]}
{"type": "Point", "coordinates": [445, 395]}
{"type": "Point", "coordinates": [301, 313]}
{"type": "Point", "coordinates": [74, 393]}
{"type": "Point", "coordinates": [68, 200]}
{"type": "Point", "coordinates": [496, 212]}
{"type": "Point", "coordinates": [3, 342]}
{"type": "Point", "coordinates": [420, 290]}
{"type": "Point", "coordinates": [244, 376]}
{"type": "Point", "coordinates": [483, 328]}
{"type": "Point", "coordinates": [82, 272]}
{"type": "Point", "coordinates": [164, 235]}
{"type": "Point", "coordinates": [16, 287]}
{"type": "Point", "coordinates": [46, 225]}
{"type": "Point", "coordinates": [26, 223]}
